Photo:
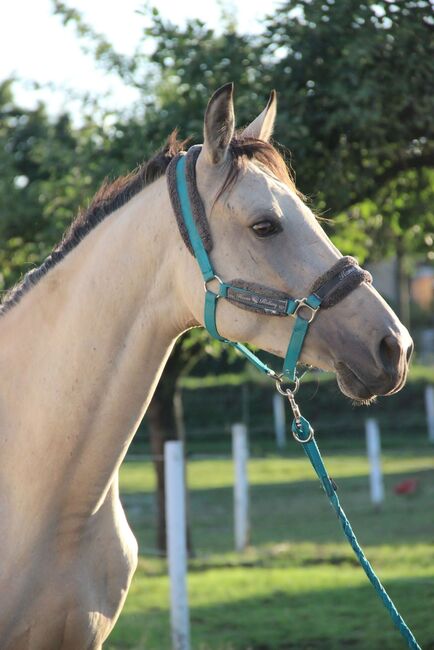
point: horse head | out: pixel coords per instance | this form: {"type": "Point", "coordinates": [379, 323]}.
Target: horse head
{"type": "Point", "coordinates": [258, 229]}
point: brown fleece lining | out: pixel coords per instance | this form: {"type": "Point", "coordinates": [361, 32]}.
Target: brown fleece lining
{"type": "Point", "coordinates": [174, 199]}
{"type": "Point", "coordinates": [345, 276]}
{"type": "Point", "coordinates": [197, 207]}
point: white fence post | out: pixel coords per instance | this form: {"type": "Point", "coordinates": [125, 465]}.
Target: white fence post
{"type": "Point", "coordinates": [374, 454]}
{"type": "Point", "coordinates": [241, 486]}
{"type": "Point", "coordinates": [279, 420]}
{"type": "Point", "coordinates": [176, 544]}
{"type": "Point", "coordinates": [429, 405]}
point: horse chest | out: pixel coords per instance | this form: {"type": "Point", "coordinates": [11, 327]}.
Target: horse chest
{"type": "Point", "coordinates": [70, 598]}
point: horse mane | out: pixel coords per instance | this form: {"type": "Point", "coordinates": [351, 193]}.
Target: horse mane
{"type": "Point", "coordinates": [113, 195]}
{"type": "Point", "coordinates": [110, 197]}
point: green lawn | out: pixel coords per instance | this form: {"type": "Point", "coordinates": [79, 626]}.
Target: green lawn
{"type": "Point", "coordinates": [298, 586]}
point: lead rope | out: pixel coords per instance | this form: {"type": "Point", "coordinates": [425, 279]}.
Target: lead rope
{"type": "Point", "coordinates": [304, 434]}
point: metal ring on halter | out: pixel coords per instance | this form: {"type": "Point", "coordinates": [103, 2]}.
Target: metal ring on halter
{"type": "Point", "coordinates": [284, 391]}
{"type": "Point", "coordinates": [214, 277]}
{"type": "Point", "coordinates": [304, 440]}
{"type": "Point", "coordinates": [302, 304]}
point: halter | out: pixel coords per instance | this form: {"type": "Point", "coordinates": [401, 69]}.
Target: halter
{"type": "Point", "coordinates": [329, 289]}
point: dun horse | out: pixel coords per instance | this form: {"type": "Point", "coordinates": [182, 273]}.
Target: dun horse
{"type": "Point", "coordinates": [84, 340]}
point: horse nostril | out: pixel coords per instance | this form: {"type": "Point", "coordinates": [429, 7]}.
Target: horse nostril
{"type": "Point", "coordinates": [390, 352]}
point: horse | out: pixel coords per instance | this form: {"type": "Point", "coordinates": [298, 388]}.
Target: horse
{"type": "Point", "coordinates": [84, 339]}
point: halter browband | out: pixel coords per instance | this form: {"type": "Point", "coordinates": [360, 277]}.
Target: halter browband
{"type": "Point", "coordinates": [329, 289]}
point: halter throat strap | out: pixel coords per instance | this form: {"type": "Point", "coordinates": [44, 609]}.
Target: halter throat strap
{"type": "Point", "coordinates": [328, 289]}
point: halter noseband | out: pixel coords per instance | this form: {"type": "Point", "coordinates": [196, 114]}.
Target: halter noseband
{"type": "Point", "coordinates": [329, 289]}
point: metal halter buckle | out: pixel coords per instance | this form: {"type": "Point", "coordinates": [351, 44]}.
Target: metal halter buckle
{"type": "Point", "coordinates": [214, 277]}
{"type": "Point", "coordinates": [302, 304]}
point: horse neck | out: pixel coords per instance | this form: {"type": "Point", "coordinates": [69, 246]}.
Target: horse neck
{"type": "Point", "coordinates": [82, 352]}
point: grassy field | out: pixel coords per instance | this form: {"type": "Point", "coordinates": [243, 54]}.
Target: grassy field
{"type": "Point", "coordinates": [298, 586]}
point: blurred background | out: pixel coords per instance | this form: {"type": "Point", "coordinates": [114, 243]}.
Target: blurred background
{"type": "Point", "coordinates": [88, 90]}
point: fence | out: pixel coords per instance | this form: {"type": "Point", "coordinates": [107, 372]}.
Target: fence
{"type": "Point", "coordinates": [175, 509]}
{"type": "Point", "coordinates": [266, 416]}
{"type": "Point", "coordinates": [209, 413]}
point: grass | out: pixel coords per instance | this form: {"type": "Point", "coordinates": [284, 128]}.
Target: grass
{"type": "Point", "coordinates": [298, 585]}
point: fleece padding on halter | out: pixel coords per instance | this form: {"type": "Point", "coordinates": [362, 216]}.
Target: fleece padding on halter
{"type": "Point", "coordinates": [331, 287]}
{"type": "Point", "coordinates": [197, 207]}
{"type": "Point", "coordinates": [339, 281]}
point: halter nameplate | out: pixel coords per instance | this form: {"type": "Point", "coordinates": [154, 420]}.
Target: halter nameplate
{"type": "Point", "coordinates": [256, 302]}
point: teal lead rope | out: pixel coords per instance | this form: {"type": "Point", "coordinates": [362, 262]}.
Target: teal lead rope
{"type": "Point", "coordinates": [303, 433]}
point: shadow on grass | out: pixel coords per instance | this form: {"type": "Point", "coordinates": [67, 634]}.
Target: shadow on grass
{"type": "Point", "coordinates": [328, 619]}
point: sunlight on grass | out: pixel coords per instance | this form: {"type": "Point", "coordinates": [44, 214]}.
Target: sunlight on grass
{"type": "Point", "coordinates": [228, 585]}
{"type": "Point", "coordinates": [298, 586]}
{"type": "Point", "coordinates": [237, 604]}
{"type": "Point", "coordinates": [138, 476]}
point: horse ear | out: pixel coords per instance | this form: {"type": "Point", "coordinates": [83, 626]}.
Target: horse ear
{"type": "Point", "coordinates": [219, 124]}
{"type": "Point", "coordinates": [262, 127]}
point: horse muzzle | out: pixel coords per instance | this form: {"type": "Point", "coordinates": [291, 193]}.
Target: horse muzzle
{"type": "Point", "coordinates": [384, 375]}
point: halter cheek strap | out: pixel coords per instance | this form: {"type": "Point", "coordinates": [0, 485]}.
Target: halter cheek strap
{"type": "Point", "coordinates": [329, 289]}
{"type": "Point", "coordinates": [176, 171]}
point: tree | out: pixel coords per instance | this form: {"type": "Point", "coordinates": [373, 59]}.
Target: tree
{"type": "Point", "coordinates": [35, 153]}
{"type": "Point", "coordinates": [399, 222]}
{"type": "Point", "coordinates": [49, 168]}
{"type": "Point", "coordinates": [354, 92]}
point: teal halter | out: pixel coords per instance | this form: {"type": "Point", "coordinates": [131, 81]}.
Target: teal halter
{"type": "Point", "coordinates": [329, 289]}
{"type": "Point", "coordinates": [303, 310]}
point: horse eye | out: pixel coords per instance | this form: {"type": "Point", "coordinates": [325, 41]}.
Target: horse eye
{"type": "Point", "coordinates": [265, 228]}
